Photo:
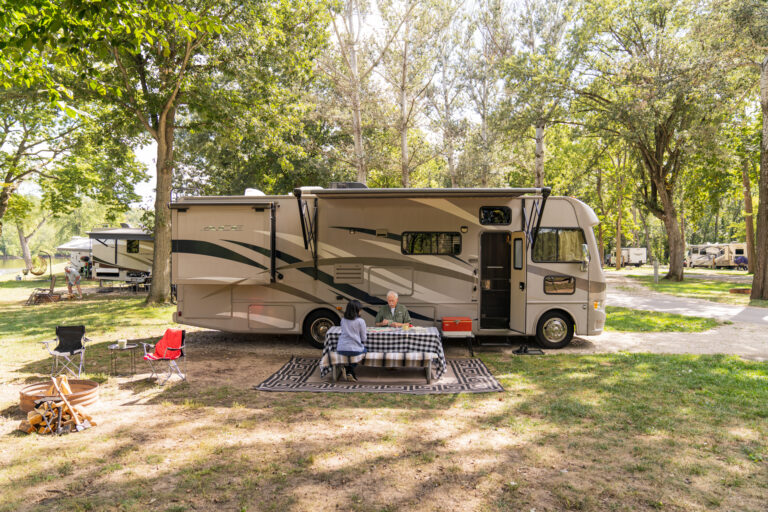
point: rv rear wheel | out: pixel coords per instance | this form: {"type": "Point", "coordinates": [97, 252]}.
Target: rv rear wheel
{"type": "Point", "coordinates": [316, 325]}
{"type": "Point", "coordinates": [555, 330]}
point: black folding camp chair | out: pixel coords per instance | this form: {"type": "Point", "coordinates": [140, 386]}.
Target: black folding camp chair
{"type": "Point", "coordinates": [71, 341]}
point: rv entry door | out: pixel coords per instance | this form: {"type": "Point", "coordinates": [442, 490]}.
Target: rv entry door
{"type": "Point", "coordinates": [518, 284]}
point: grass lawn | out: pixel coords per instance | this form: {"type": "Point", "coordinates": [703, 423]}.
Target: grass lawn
{"type": "Point", "coordinates": [591, 432]}
{"type": "Point", "coordinates": [634, 320]}
{"type": "Point", "coordinates": [716, 291]}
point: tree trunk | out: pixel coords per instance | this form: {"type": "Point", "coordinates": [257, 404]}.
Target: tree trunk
{"type": "Point", "coordinates": [682, 227]}
{"type": "Point", "coordinates": [357, 136]}
{"type": "Point", "coordinates": [600, 241]}
{"type": "Point", "coordinates": [618, 235]}
{"type": "Point", "coordinates": [647, 235]}
{"type": "Point", "coordinates": [539, 164]}
{"type": "Point", "coordinates": [357, 123]}
{"type": "Point", "coordinates": [404, 167]}
{"type": "Point", "coordinates": [760, 280]}
{"type": "Point", "coordinates": [748, 220]}
{"type": "Point", "coordinates": [674, 236]}
{"type": "Point", "coordinates": [160, 292]}
{"type": "Point", "coordinates": [6, 190]}
{"type": "Point", "coordinates": [24, 243]}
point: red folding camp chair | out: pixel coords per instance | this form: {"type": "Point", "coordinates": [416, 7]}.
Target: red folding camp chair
{"type": "Point", "coordinates": [169, 349]}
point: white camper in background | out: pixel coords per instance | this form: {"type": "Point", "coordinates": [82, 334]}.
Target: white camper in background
{"type": "Point", "coordinates": [122, 254]}
{"type": "Point", "coordinates": [635, 256]}
{"type": "Point", "coordinates": [515, 261]}
{"type": "Point", "coordinates": [733, 255]}
{"type": "Point", "coordinates": [704, 255]}
{"type": "Point", "coordinates": [78, 248]}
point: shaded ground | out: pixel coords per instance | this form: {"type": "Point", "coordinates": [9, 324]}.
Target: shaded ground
{"type": "Point", "coordinates": [585, 428]}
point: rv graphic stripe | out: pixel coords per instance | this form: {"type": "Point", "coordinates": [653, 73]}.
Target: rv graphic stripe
{"type": "Point", "coordinates": [307, 268]}
{"type": "Point", "coordinates": [211, 249]}
{"type": "Point", "coordinates": [266, 252]}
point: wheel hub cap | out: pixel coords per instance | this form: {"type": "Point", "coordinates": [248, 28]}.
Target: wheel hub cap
{"type": "Point", "coordinates": [320, 328]}
{"type": "Point", "coordinates": [555, 330]}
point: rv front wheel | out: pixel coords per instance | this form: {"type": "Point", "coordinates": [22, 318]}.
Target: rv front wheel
{"type": "Point", "coordinates": [316, 325]}
{"type": "Point", "coordinates": [555, 330]}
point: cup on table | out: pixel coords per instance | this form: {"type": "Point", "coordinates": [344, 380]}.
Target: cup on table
{"type": "Point", "coordinates": [121, 344]}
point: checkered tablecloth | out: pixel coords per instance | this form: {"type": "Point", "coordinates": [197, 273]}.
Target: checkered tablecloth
{"type": "Point", "coordinates": [389, 347]}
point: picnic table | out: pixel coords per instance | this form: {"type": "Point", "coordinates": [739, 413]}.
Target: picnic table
{"type": "Point", "coordinates": [390, 347]}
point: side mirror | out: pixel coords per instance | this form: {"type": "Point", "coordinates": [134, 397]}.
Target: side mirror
{"type": "Point", "coordinates": [584, 257]}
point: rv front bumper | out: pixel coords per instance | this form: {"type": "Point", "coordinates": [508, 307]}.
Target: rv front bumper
{"type": "Point", "coordinates": [597, 320]}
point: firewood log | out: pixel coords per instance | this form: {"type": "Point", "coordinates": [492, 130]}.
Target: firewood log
{"type": "Point", "coordinates": [34, 417]}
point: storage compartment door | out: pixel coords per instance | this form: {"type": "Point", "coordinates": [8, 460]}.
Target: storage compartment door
{"type": "Point", "coordinates": [221, 243]}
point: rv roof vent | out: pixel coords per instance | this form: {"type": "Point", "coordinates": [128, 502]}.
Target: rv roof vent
{"type": "Point", "coordinates": [347, 184]}
{"type": "Point", "coordinates": [124, 225]}
{"type": "Point", "coordinates": [253, 192]}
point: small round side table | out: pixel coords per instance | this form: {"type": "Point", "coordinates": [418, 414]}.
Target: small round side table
{"type": "Point", "coordinates": [114, 349]}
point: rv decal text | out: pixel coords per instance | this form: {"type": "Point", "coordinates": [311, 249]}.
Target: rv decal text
{"type": "Point", "coordinates": [225, 227]}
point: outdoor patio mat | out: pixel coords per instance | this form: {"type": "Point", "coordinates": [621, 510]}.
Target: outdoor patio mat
{"type": "Point", "coordinates": [461, 376]}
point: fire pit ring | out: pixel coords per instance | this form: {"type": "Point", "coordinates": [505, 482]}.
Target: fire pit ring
{"type": "Point", "coordinates": [84, 393]}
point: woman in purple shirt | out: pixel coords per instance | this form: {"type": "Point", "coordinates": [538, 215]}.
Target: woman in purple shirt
{"type": "Point", "coordinates": [353, 336]}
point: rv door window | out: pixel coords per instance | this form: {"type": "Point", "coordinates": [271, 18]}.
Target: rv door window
{"type": "Point", "coordinates": [498, 215]}
{"type": "Point", "coordinates": [558, 245]}
{"type": "Point", "coordinates": [431, 243]}
{"type": "Point", "coordinates": [518, 263]}
{"type": "Point", "coordinates": [132, 246]}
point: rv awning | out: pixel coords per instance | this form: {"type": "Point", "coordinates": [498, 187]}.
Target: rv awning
{"type": "Point", "coordinates": [372, 193]}
{"type": "Point", "coordinates": [254, 202]}
{"type": "Point", "coordinates": [120, 234]}
{"type": "Point", "coordinates": [76, 244]}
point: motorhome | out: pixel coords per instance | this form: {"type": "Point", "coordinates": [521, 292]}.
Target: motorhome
{"type": "Point", "coordinates": [122, 254]}
{"type": "Point", "coordinates": [635, 256]}
{"type": "Point", "coordinates": [733, 255]}
{"type": "Point", "coordinates": [702, 255]}
{"type": "Point", "coordinates": [726, 255]}
{"type": "Point", "coordinates": [79, 250]}
{"type": "Point", "coordinates": [515, 261]}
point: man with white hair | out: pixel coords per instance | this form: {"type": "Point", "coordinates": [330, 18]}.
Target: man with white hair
{"type": "Point", "coordinates": [393, 314]}
{"type": "Point", "coordinates": [73, 279]}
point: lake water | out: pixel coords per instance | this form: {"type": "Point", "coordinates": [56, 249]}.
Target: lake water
{"type": "Point", "coordinates": [11, 266]}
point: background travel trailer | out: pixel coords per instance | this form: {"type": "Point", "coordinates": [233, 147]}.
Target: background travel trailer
{"type": "Point", "coordinates": [79, 250]}
{"type": "Point", "coordinates": [630, 256]}
{"type": "Point", "coordinates": [289, 264]}
{"type": "Point", "coordinates": [122, 254]}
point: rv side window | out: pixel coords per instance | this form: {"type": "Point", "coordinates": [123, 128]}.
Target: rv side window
{"type": "Point", "coordinates": [558, 245]}
{"type": "Point", "coordinates": [739, 252]}
{"type": "Point", "coordinates": [559, 285]}
{"type": "Point", "coordinates": [132, 246]}
{"type": "Point", "coordinates": [431, 242]}
{"type": "Point", "coordinates": [498, 215]}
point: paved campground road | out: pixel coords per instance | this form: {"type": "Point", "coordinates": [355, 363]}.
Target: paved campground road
{"type": "Point", "coordinates": [747, 336]}
{"type": "Point", "coordinates": [625, 293]}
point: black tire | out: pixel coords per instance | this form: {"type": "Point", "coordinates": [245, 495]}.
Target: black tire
{"type": "Point", "coordinates": [555, 330]}
{"type": "Point", "coordinates": [316, 324]}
